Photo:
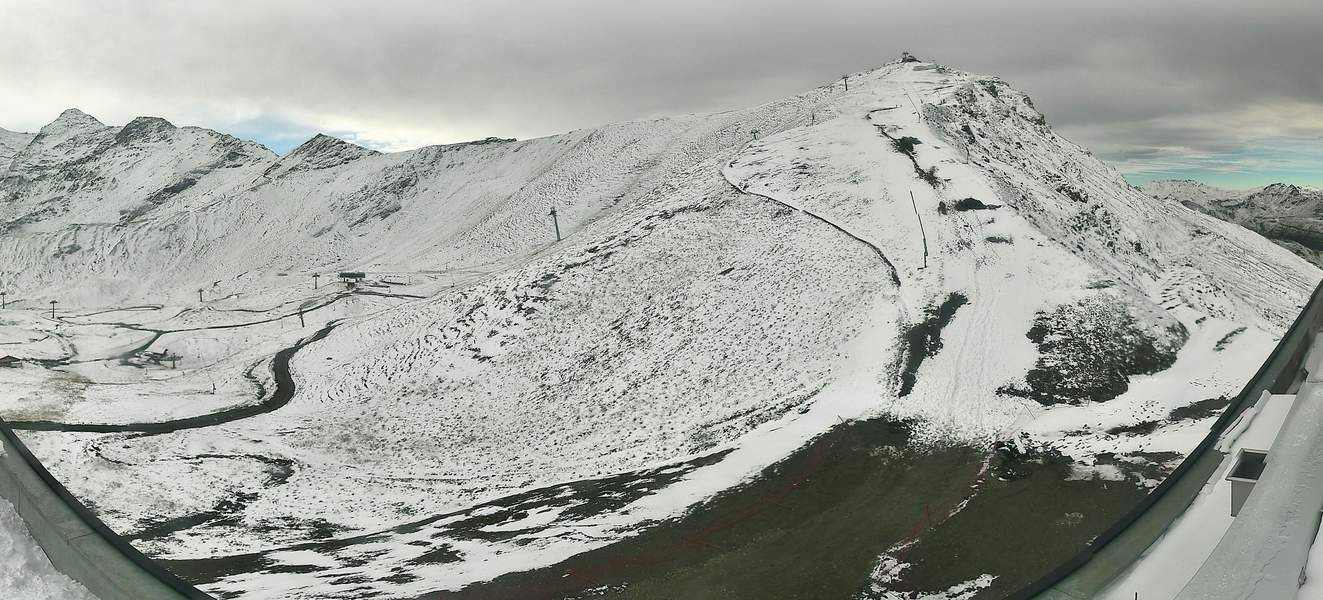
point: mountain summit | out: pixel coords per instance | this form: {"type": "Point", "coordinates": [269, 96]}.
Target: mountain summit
{"type": "Point", "coordinates": [71, 121]}
{"type": "Point", "coordinates": [320, 152]}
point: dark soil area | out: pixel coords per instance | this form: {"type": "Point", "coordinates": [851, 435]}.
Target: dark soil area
{"type": "Point", "coordinates": [812, 526]}
{"type": "Point", "coordinates": [1017, 529]}
{"type": "Point", "coordinates": [1140, 428]}
{"type": "Point", "coordinates": [1226, 339]}
{"type": "Point", "coordinates": [906, 145]}
{"type": "Point", "coordinates": [1200, 410]}
{"type": "Point", "coordinates": [924, 339]}
{"type": "Point", "coordinates": [577, 499]}
{"type": "Point", "coordinates": [815, 525]}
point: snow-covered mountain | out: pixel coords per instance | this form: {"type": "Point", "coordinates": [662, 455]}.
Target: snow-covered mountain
{"type": "Point", "coordinates": [147, 210]}
{"type": "Point", "coordinates": [10, 143]}
{"type": "Point", "coordinates": [730, 286]}
{"type": "Point", "coordinates": [1290, 215]}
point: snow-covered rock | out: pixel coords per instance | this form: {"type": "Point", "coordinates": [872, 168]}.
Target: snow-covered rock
{"type": "Point", "coordinates": [10, 143]}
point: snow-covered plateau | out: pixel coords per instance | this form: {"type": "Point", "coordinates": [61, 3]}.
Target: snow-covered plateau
{"type": "Point", "coordinates": [730, 287]}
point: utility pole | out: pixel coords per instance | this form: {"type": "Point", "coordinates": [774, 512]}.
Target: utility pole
{"type": "Point", "coordinates": [921, 231]}
{"type": "Point", "coordinates": [314, 280]}
{"type": "Point", "coordinates": [555, 221]}
{"type": "Point", "coordinates": [53, 309]}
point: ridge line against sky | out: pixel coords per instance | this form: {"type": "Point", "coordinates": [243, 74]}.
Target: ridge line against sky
{"type": "Point", "coordinates": [1224, 93]}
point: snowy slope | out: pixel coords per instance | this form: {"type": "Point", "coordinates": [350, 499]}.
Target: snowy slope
{"type": "Point", "coordinates": [1194, 194]}
{"type": "Point", "coordinates": [77, 171]}
{"type": "Point", "coordinates": [131, 224]}
{"type": "Point", "coordinates": [1290, 215]}
{"type": "Point", "coordinates": [730, 286]}
{"type": "Point", "coordinates": [1069, 227]}
{"type": "Point", "coordinates": [10, 143]}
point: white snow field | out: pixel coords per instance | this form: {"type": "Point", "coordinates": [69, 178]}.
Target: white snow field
{"type": "Point", "coordinates": [25, 572]}
{"type": "Point", "coordinates": [717, 302]}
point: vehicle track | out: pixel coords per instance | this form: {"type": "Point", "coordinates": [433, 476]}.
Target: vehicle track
{"type": "Point", "coordinates": [281, 396]}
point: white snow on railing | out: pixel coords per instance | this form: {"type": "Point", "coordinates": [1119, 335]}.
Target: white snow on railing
{"type": "Point", "coordinates": [25, 572]}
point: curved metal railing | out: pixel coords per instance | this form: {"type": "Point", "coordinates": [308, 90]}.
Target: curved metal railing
{"type": "Point", "coordinates": [1280, 373]}
{"type": "Point", "coordinates": [78, 543]}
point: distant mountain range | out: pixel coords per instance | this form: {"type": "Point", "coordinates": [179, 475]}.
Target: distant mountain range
{"type": "Point", "coordinates": [1290, 215]}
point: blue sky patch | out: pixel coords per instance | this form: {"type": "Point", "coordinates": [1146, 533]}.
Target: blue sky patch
{"type": "Point", "coordinates": [1297, 160]}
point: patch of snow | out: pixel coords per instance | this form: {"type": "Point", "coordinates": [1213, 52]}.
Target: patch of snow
{"type": "Point", "coordinates": [27, 573]}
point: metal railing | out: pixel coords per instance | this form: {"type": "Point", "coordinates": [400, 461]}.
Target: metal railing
{"type": "Point", "coordinates": [1280, 373]}
{"type": "Point", "coordinates": [77, 542]}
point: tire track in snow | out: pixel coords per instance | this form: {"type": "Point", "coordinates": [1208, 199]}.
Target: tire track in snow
{"type": "Point", "coordinates": [281, 396]}
{"type": "Point", "coordinates": [283, 393]}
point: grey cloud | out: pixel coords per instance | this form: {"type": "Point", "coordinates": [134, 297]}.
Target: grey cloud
{"type": "Point", "coordinates": [1121, 76]}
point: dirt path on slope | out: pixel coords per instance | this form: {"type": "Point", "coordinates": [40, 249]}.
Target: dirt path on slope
{"type": "Point", "coordinates": [281, 396]}
{"type": "Point", "coordinates": [284, 391]}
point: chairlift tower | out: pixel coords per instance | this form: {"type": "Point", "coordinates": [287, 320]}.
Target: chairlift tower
{"type": "Point", "coordinates": [53, 303]}
{"type": "Point", "coordinates": [555, 222]}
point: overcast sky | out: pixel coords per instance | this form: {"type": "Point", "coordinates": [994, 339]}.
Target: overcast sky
{"type": "Point", "coordinates": [1227, 92]}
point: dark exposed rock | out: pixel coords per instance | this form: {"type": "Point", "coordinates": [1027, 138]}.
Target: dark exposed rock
{"type": "Point", "coordinates": [924, 339]}
{"type": "Point", "coordinates": [1089, 349]}
{"type": "Point", "coordinates": [144, 129]}
{"type": "Point", "coordinates": [965, 204]}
